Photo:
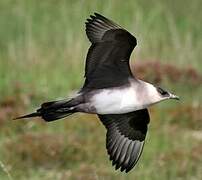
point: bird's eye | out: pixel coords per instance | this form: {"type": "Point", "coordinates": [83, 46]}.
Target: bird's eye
{"type": "Point", "coordinates": [162, 92]}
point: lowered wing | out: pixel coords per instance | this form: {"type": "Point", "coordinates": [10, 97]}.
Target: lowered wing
{"type": "Point", "coordinates": [125, 137]}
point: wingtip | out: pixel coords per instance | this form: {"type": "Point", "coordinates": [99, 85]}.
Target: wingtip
{"type": "Point", "coordinates": [100, 16]}
{"type": "Point", "coordinates": [96, 14]}
{"type": "Point", "coordinates": [92, 17]}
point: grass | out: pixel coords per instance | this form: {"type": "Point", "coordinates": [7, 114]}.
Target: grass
{"type": "Point", "coordinates": [42, 52]}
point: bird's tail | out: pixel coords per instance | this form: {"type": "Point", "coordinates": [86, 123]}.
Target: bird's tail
{"type": "Point", "coordinates": [53, 110]}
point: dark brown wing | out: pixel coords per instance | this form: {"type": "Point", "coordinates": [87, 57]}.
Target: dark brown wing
{"type": "Point", "coordinates": [107, 62]}
{"type": "Point", "coordinates": [125, 137]}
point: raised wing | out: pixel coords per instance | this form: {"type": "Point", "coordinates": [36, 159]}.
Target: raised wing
{"type": "Point", "coordinates": [107, 62]}
{"type": "Point", "coordinates": [125, 137]}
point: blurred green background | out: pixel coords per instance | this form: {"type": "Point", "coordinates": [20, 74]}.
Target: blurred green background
{"type": "Point", "coordinates": [42, 54]}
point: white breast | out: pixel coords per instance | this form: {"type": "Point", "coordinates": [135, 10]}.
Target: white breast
{"type": "Point", "coordinates": [115, 101]}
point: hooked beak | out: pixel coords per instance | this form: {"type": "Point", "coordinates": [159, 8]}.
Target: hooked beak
{"type": "Point", "coordinates": [172, 96]}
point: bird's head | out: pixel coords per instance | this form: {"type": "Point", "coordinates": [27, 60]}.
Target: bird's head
{"type": "Point", "coordinates": [157, 94]}
{"type": "Point", "coordinates": [164, 94]}
{"type": "Point", "coordinates": [150, 94]}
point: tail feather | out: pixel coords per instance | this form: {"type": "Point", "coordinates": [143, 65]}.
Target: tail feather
{"type": "Point", "coordinates": [50, 111]}
{"type": "Point", "coordinates": [52, 116]}
{"type": "Point", "coordinates": [35, 114]}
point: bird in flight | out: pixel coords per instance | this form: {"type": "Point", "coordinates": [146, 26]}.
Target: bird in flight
{"type": "Point", "coordinates": [119, 99]}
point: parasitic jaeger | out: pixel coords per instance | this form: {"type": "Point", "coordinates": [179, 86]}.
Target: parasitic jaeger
{"type": "Point", "coordinates": [111, 91]}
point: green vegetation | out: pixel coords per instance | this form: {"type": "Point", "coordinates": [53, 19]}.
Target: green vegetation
{"type": "Point", "coordinates": [42, 51]}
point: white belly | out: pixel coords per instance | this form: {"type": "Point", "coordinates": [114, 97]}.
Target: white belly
{"type": "Point", "coordinates": [115, 101]}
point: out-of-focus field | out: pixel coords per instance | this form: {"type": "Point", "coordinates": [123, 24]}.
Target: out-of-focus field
{"type": "Point", "coordinates": [42, 51]}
